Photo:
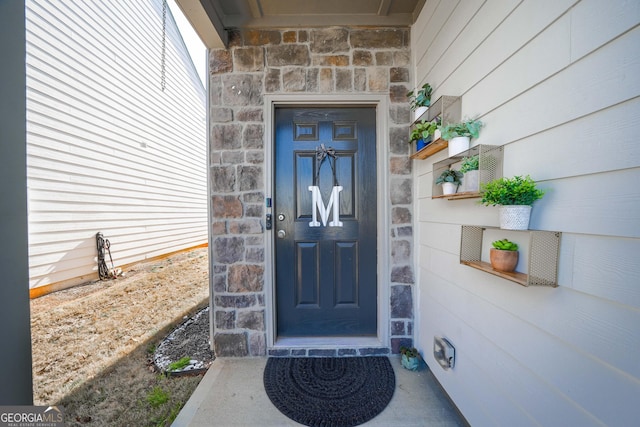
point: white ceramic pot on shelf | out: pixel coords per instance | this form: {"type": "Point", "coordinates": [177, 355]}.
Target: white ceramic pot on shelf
{"type": "Point", "coordinates": [418, 112]}
{"type": "Point", "coordinates": [458, 145]}
{"type": "Point", "coordinates": [449, 188]}
{"type": "Point", "coordinates": [514, 217]}
{"type": "Point", "coordinates": [470, 181]}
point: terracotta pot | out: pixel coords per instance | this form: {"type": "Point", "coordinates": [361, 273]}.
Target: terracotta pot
{"type": "Point", "coordinates": [503, 260]}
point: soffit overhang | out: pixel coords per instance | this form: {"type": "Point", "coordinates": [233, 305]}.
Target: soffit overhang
{"type": "Point", "coordinates": [213, 18]}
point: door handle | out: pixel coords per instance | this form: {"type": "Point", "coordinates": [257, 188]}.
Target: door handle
{"type": "Point", "coordinates": [282, 234]}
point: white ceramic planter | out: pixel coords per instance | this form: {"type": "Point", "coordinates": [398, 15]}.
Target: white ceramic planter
{"type": "Point", "coordinates": [419, 112]}
{"type": "Point", "coordinates": [471, 181]}
{"type": "Point", "coordinates": [449, 188]}
{"type": "Point", "coordinates": [437, 135]}
{"type": "Point", "coordinates": [458, 145]}
{"type": "Point", "coordinates": [514, 217]}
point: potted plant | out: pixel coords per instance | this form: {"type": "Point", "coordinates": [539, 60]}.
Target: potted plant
{"type": "Point", "coordinates": [515, 196]}
{"type": "Point", "coordinates": [410, 358]}
{"type": "Point", "coordinates": [419, 100]}
{"type": "Point", "coordinates": [450, 180]}
{"type": "Point", "coordinates": [504, 255]}
{"type": "Point", "coordinates": [423, 132]}
{"type": "Point", "coordinates": [471, 175]}
{"type": "Point", "coordinates": [459, 134]}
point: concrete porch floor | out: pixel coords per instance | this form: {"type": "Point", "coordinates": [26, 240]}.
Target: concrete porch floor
{"type": "Point", "coordinates": [232, 394]}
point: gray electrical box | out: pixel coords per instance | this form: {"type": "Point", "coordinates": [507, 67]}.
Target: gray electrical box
{"type": "Point", "coordinates": [444, 352]}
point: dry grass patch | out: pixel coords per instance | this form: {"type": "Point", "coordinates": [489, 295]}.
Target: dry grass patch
{"type": "Point", "coordinates": [128, 394]}
{"type": "Point", "coordinates": [83, 338]}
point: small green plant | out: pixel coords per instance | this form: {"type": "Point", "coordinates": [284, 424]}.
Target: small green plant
{"type": "Point", "coordinates": [179, 364]}
{"type": "Point", "coordinates": [450, 175]}
{"type": "Point", "coordinates": [424, 130]}
{"type": "Point", "coordinates": [421, 97]}
{"type": "Point", "coordinates": [469, 127]}
{"type": "Point", "coordinates": [511, 191]}
{"type": "Point", "coordinates": [157, 397]}
{"type": "Point", "coordinates": [505, 245]}
{"type": "Point", "coordinates": [409, 351]}
{"type": "Point", "coordinates": [470, 164]}
{"type": "Point", "coordinates": [151, 349]}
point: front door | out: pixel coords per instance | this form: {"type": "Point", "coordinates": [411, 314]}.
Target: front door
{"type": "Point", "coordinates": [325, 221]}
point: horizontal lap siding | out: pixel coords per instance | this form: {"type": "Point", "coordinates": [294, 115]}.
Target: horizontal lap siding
{"type": "Point", "coordinates": [108, 150]}
{"type": "Point", "coordinates": [558, 85]}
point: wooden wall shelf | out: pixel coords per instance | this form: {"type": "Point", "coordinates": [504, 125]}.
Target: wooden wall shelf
{"type": "Point", "coordinates": [490, 159]}
{"type": "Point", "coordinates": [519, 278]}
{"type": "Point", "coordinates": [542, 260]}
{"type": "Point", "coordinates": [465, 195]}
{"type": "Point", "coordinates": [431, 149]}
{"type": "Point", "coordinates": [448, 109]}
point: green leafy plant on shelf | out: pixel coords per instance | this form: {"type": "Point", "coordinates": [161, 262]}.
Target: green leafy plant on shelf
{"type": "Point", "coordinates": [511, 191]}
{"type": "Point", "coordinates": [469, 127]}
{"type": "Point", "coordinates": [505, 245]}
{"type": "Point", "coordinates": [470, 164]}
{"type": "Point", "coordinates": [420, 97]}
{"type": "Point", "coordinates": [450, 175]}
{"type": "Point", "coordinates": [424, 130]}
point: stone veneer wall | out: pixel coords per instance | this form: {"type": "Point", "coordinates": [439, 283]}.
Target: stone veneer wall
{"type": "Point", "coordinates": [310, 61]}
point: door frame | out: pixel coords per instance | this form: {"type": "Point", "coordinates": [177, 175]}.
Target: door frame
{"type": "Point", "coordinates": [380, 103]}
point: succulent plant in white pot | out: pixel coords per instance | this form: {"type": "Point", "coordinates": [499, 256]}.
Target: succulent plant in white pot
{"type": "Point", "coordinates": [459, 134]}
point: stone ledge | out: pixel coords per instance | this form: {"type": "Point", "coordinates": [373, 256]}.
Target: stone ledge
{"type": "Point", "coordinates": [323, 352]}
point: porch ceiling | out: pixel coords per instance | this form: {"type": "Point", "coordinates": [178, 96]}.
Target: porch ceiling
{"type": "Point", "coordinates": [212, 18]}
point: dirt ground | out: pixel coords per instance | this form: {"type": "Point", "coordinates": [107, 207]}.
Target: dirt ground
{"type": "Point", "coordinates": [92, 344]}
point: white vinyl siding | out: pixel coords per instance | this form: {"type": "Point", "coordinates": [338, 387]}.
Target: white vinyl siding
{"type": "Point", "coordinates": [557, 83]}
{"type": "Point", "coordinates": [108, 149]}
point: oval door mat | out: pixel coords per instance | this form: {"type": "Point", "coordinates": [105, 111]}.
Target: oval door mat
{"type": "Point", "coordinates": [330, 391]}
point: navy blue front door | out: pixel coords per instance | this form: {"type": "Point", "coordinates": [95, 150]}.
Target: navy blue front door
{"type": "Point", "coordinates": [325, 221]}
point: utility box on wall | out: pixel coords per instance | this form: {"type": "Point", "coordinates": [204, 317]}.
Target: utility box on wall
{"type": "Point", "coordinates": [444, 353]}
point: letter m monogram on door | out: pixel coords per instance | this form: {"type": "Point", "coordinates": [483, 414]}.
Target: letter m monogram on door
{"type": "Point", "coordinates": [318, 206]}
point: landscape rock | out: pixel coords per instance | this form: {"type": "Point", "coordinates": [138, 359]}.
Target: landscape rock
{"type": "Point", "coordinates": [190, 339]}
